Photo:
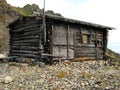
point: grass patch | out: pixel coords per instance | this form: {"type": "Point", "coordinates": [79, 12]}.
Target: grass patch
{"type": "Point", "coordinates": [62, 74]}
{"type": "Point", "coordinates": [22, 11]}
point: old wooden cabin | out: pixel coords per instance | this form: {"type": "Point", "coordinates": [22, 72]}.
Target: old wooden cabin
{"type": "Point", "coordinates": [66, 38]}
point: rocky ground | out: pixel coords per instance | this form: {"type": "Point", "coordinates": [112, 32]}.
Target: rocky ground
{"type": "Point", "coordinates": [87, 75]}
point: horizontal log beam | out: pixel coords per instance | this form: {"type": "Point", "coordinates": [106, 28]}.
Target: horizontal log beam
{"type": "Point", "coordinates": [25, 37]}
{"type": "Point", "coordinates": [23, 24]}
{"type": "Point", "coordinates": [25, 55]}
{"type": "Point", "coordinates": [25, 44]}
{"type": "Point", "coordinates": [30, 28]}
{"type": "Point", "coordinates": [25, 52]}
{"type": "Point", "coordinates": [26, 41]}
{"type": "Point", "coordinates": [25, 47]}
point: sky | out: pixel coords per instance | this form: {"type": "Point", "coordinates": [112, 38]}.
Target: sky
{"type": "Point", "coordinates": [104, 12]}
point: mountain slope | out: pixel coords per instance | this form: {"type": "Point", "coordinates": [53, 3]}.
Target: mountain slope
{"type": "Point", "coordinates": [7, 15]}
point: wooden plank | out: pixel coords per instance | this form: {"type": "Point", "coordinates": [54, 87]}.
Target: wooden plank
{"type": "Point", "coordinates": [68, 30]}
{"type": "Point", "coordinates": [96, 48]}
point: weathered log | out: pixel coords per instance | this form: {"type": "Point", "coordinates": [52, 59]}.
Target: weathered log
{"type": "Point", "coordinates": [25, 37]}
{"type": "Point", "coordinates": [26, 41]}
{"type": "Point", "coordinates": [25, 33]}
{"type": "Point", "coordinates": [32, 27]}
{"type": "Point", "coordinates": [25, 55]}
{"type": "Point", "coordinates": [24, 52]}
{"type": "Point", "coordinates": [23, 24]}
{"type": "Point", "coordinates": [25, 44]}
{"type": "Point", "coordinates": [36, 29]}
{"type": "Point", "coordinates": [25, 47]}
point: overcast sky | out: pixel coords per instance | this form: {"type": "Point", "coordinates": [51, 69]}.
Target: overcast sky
{"type": "Point", "coordinates": [105, 12]}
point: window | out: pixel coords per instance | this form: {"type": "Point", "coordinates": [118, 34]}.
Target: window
{"type": "Point", "coordinates": [85, 39]}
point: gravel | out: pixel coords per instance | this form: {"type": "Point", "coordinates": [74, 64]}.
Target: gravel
{"type": "Point", "coordinates": [86, 75]}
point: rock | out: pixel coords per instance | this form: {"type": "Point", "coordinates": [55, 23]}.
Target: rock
{"type": "Point", "coordinates": [8, 79]}
{"type": "Point", "coordinates": [86, 83]}
{"type": "Point", "coordinates": [2, 56]}
{"type": "Point", "coordinates": [91, 82]}
{"type": "Point", "coordinates": [107, 88]}
{"type": "Point", "coordinates": [82, 84]}
{"type": "Point", "coordinates": [20, 85]}
{"type": "Point", "coordinates": [42, 64]}
{"type": "Point", "coordinates": [96, 86]}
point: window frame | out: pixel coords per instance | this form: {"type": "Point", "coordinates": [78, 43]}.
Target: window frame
{"type": "Point", "coordinates": [86, 38]}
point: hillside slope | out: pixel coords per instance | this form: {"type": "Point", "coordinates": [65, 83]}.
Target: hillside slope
{"type": "Point", "coordinates": [113, 57]}
{"type": "Point", "coordinates": [7, 15]}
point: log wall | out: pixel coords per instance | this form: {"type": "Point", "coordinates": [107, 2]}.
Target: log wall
{"type": "Point", "coordinates": [26, 38]}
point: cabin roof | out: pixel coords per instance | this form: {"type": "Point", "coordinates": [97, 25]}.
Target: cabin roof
{"type": "Point", "coordinates": [60, 18]}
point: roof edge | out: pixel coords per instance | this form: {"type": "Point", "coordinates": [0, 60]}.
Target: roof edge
{"type": "Point", "coordinates": [60, 18]}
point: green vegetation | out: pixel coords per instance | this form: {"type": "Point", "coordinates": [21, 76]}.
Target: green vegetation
{"type": "Point", "coordinates": [22, 11]}
{"type": "Point", "coordinates": [62, 74]}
